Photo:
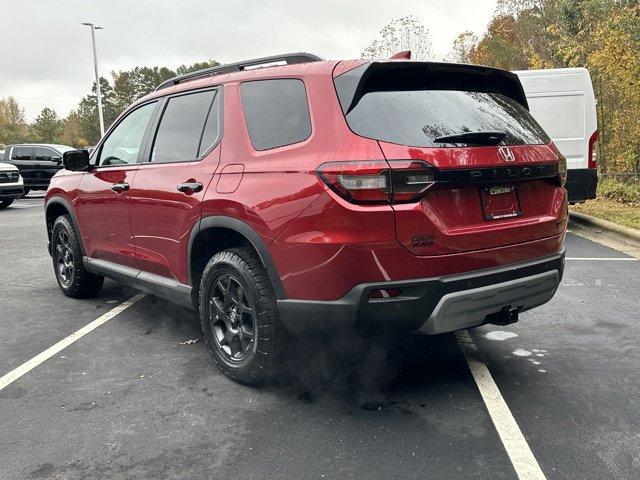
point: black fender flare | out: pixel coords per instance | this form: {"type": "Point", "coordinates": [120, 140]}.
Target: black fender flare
{"type": "Point", "coordinates": [247, 232]}
{"type": "Point", "coordinates": [69, 208]}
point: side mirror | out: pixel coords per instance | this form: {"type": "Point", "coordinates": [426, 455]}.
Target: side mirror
{"type": "Point", "coordinates": [76, 160]}
{"type": "Point", "coordinates": [57, 160]}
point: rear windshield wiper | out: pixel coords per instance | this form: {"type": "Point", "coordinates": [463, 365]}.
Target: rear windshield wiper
{"type": "Point", "coordinates": [473, 138]}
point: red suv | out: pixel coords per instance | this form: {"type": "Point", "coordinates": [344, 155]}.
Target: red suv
{"type": "Point", "coordinates": [314, 196]}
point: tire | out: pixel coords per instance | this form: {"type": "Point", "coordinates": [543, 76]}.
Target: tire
{"type": "Point", "coordinates": [25, 193]}
{"type": "Point", "coordinates": [5, 203]}
{"type": "Point", "coordinates": [239, 316]}
{"type": "Point", "coordinates": [74, 280]}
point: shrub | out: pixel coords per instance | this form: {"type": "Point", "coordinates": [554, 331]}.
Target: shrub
{"type": "Point", "coordinates": [619, 191]}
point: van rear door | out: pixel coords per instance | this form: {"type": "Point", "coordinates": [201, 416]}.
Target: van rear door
{"type": "Point", "coordinates": [563, 102]}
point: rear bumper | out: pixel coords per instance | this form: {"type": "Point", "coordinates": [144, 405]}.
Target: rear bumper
{"type": "Point", "coordinates": [581, 184]}
{"type": "Point", "coordinates": [431, 305]}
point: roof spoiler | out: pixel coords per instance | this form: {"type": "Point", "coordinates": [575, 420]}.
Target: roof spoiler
{"type": "Point", "coordinates": [403, 55]}
{"type": "Point", "coordinates": [409, 75]}
{"type": "Point", "coordinates": [286, 59]}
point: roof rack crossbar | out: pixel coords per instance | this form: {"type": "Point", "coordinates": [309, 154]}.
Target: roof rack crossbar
{"type": "Point", "coordinates": [288, 58]}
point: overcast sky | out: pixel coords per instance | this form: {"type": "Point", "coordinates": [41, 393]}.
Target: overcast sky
{"type": "Point", "coordinates": [46, 59]}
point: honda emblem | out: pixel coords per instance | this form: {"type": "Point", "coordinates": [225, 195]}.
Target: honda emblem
{"type": "Point", "coordinates": [506, 154]}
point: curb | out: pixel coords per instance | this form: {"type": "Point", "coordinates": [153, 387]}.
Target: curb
{"type": "Point", "coordinates": [583, 218]}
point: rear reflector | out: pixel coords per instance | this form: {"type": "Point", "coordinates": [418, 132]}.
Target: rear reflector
{"type": "Point", "coordinates": [377, 182]}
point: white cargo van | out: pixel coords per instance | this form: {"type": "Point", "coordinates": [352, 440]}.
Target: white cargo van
{"type": "Point", "coordinates": [563, 103]}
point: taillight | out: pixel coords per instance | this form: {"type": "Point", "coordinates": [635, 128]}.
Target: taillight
{"type": "Point", "coordinates": [357, 182]}
{"type": "Point", "coordinates": [562, 171]}
{"type": "Point", "coordinates": [377, 182]}
{"type": "Point", "coordinates": [410, 180]}
{"type": "Point", "coordinates": [593, 161]}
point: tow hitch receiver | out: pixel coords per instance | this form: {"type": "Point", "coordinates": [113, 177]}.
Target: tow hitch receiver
{"type": "Point", "coordinates": [506, 316]}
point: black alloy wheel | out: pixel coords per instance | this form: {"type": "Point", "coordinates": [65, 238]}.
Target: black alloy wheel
{"type": "Point", "coordinates": [239, 316]}
{"type": "Point", "coordinates": [63, 258]}
{"type": "Point", "coordinates": [231, 316]}
{"type": "Point", "coordinates": [67, 255]}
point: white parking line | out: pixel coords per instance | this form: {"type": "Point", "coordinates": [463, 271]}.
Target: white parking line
{"type": "Point", "coordinates": [524, 463]}
{"type": "Point", "coordinates": [603, 259]}
{"type": "Point", "coordinates": [26, 367]}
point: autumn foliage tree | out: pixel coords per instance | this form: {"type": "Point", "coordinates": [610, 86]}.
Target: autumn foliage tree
{"type": "Point", "coordinates": [601, 35]}
{"type": "Point", "coordinates": [13, 127]}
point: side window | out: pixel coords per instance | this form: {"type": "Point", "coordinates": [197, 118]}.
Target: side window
{"type": "Point", "coordinates": [21, 153]}
{"type": "Point", "coordinates": [46, 154]}
{"type": "Point", "coordinates": [276, 112]}
{"type": "Point", "coordinates": [185, 128]}
{"type": "Point", "coordinates": [124, 142]}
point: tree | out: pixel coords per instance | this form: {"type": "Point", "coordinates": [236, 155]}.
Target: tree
{"type": "Point", "coordinates": [601, 35]}
{"type": "Point", "coordinates": [47, 127]}
{"type": "Point", "coordinates": [405, 33]}
{"type": "Point", "coordinates": [13, 127]}
{"type": "Point", "coordinates": [184, 69]}
{"type": "Point", "coordinates": [615, 67]}
{"type": "Point", "coordinates": [500, 47]}
{"type": "Point", "coordinates": [463, 47]}
{"type": "Point", "coordinates": [131, 85]}
{"type": "Point", "coordinates": [87, 111]}
{"type": "Point", "coordinates": [72, 131]}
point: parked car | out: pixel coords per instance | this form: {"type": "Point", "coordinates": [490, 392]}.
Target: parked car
{"type": "Point", "coordinates": [11, 185]}
{"type": "Point", "coordinates": [563, 102]}
{"type": "Point", "coordinates": [37, 163]}
{"type": "Point", "coordinates": [319, 197]}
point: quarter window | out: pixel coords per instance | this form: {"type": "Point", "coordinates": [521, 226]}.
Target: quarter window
{"type": "Point", "coordinates": [212, 127]}
{"type": "Point", "coordinates": [276, 112]}
{"type": "Point", "coordinates": [187, 129]}
{"type": "Point", "coordinates": [123, 144]}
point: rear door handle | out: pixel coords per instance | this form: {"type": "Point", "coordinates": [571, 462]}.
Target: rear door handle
{"type": "Point", "coordinates": [190, 187]}
{"type": "Point", "coordinates": [120, 187]}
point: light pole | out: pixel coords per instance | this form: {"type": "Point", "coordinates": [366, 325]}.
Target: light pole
{"type": "Point", "coordinates": [95, 66]}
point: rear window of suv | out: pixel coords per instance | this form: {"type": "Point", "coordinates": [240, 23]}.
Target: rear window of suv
{"type": "Point", "coordinates": [416, 118]}
{"type": "Point", "coordinates": [276, 112]}
{"type": "Point", "coordinates": [415, 103]}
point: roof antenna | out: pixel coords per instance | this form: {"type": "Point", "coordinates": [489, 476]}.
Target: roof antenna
{"type": "Point", "coordinates": [404, 55]}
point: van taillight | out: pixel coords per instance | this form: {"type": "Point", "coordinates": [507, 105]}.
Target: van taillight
{"type": "Point", "coordinates": [378, 181]}
{"type": "Point", "coordinates": [593, 161]}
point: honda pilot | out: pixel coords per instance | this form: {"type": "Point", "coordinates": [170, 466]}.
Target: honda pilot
{"type": "Point", "coordinates": [292, 195]}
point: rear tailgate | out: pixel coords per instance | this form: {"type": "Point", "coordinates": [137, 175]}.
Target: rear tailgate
{"type": "Point", "coordinates": [452, 218]}
{"type": "Point", "coordinates": [498, 188]}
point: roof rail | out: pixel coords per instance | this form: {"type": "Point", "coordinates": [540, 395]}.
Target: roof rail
{"type": "Point", "coordinates": [287, 58]}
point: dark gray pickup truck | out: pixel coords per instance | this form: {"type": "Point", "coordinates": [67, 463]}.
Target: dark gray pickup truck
{"type": "Point", "coordinates": [37, 163]}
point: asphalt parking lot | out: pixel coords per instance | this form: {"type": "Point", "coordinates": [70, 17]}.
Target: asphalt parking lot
{"type": "Point", "coordinates": [135, 399]}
